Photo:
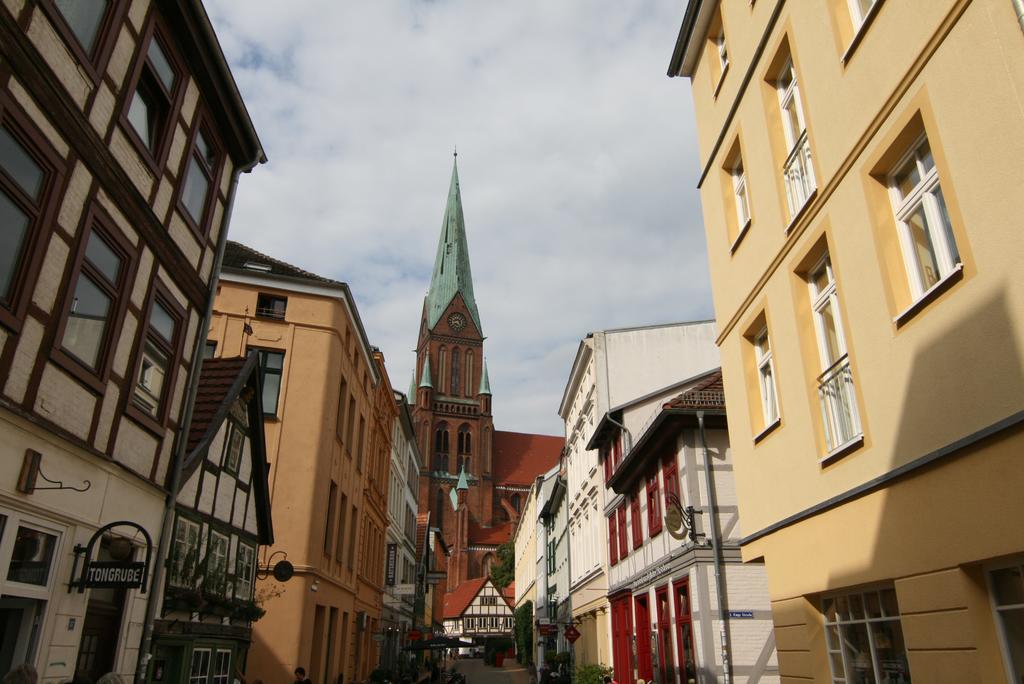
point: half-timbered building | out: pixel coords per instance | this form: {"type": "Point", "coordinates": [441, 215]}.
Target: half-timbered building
{"type": "Point", "coordinates": [477, 609]}
{"type": "Point", "coordinates": [222, 518]}
{"type": "Point", "coordinates": [122, 137]}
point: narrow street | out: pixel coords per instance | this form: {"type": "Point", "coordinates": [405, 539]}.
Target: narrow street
{"type": "Point", "coordinates": [478, 673]}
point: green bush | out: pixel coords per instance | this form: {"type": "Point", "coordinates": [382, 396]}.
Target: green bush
{"type": "Point", "coordinates": [592, 674]}
{"type": "Point", "coordinates": [523, 630]}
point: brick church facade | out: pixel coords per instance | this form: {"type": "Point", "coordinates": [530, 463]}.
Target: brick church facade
{"type": "Point", "coordinates": [476, 478]}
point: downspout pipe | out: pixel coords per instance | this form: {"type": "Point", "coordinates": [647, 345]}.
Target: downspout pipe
{"type": "Point", "coordinates": [1018, 7]}
{"type": "Point", "coordinates": [716, 551]}
{"type": "Point", "coordinates": [178, 457]}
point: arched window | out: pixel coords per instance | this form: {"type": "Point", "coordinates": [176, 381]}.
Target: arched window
{"type": "Point", "coordinates": [465, 440]}
{"type": "Point", "coordinates": [441, 447]}
{"type": "Point", "coordinates": [488, 562]}
{"type": "Point", "coordinates": [455, 373]}
{"type": "Point", "coordinates": [469, 374]}
{"type": "Point", "coordinates": [516, 503]}
{"type": "Point", "coordinates": [442, 366]}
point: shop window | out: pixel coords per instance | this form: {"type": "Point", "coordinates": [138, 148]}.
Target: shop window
{"type": "Point", "coordinates": [32, 557]}
{"type": "Point", "coordinates": [864, 637]}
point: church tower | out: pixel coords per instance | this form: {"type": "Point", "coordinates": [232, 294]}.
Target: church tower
{"type": "Point", "coordinates": [453, 397]}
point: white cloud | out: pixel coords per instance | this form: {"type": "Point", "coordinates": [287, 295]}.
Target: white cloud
{"type": "Point", "coordinates": [577, 161]}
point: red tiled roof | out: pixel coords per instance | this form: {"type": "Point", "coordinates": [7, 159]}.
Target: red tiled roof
{"type": "Point", "coordinates": [519, 457]}
{"type": "Point", "coordinates": [509, 593]}
{"type": "Point", "coordinates": [456, 602]}
{"type": "Point", "coordinates": [217, 378]}
{"type": "Point", "coordinates": [489, 535]}
{"type": "Point", "coordinates": [709, 394]}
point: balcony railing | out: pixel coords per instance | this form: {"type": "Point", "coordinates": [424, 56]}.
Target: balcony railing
{"type": "Point", "coordinates": [838, 404]}
{"type": "Point", "coordinates": [799, 175]}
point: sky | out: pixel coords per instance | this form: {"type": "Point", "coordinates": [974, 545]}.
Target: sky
{"type": "Point", "coordinates": [577, 164]}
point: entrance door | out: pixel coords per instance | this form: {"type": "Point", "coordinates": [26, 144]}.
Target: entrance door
{"type": "Point", "coordinates": [684, 633]}
{"type": "Point", "coordinates": [622, 639]}
{"type": "Point", "coordinates": [19, 621]}
{"type": "Point", "coordinates": [101, 628]}
{"type": "Point", "coordinates": [666, 660]}
{"type": "Point", "coordinates": [643, 641]}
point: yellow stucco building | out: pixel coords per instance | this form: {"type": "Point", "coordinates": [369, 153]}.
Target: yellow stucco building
{"type": "Point", "coordinates": [860, 181]}
{"type": "Point", "coordinates": [328, 409]}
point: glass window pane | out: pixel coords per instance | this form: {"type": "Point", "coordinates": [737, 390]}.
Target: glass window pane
{"type": "Point", "coordinates": [1013, 630]}
{"type": "Point", "coordinates": [923, 248]}
{"type": "Point", "coordinates": [890, 651]}
{"type": "Point", "coordinates": [138, 117]}
{"type": "Point", "coordinates": [204, 150]}
{"type": "Point", "coordinates": [152, 372]}
{"type": "Point", "coordinates": [162, 322]}
{"type": "Point", "coordinates": [889, 604]}
{"type": "Point", "coordinates": [102, 257]}
{"type": "Point", "coordinates": [272, 360]}
{"type": "Point", "coordinates": [1008, 586]}
{"type": "Point", "coordinates": [858, 653]}
{"type": "Point", "coordinates": [838, 671]}
{"type": "Point", "coordinates": [19, 165]}
{"type": "Point", "coordinates": [193, 195]}
{"type": "Point", "coordinates": [160, 64]}
{"type": "Point", "coordinates": [907, 178]}
{"type": "Point", "coordinates": [87, 321]}
{"type": "Point", "coordinates": [31, 558]}
{"type": "Point", "coordinates": [828, 327]}
{"type": "Point", "coordinates": [828, 607]}
{"type": "Point", "coordinates": [856, 607]}
{"type": "Point", "coordinates": [872, 605]}
{"type": "Point", "coordinates": [924, 153]}
{"type": "Point", "coordinates": [947, 227]}
{"type": "Point", "coordinates": [271, 388]}
{"type": "Point", "coordinates": [13, 229]}
{"type": "Point", "coordinates": [84, 17]}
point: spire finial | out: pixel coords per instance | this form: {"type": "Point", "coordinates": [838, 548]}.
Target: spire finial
{"type": "Point", "coordinates": [455, 151]}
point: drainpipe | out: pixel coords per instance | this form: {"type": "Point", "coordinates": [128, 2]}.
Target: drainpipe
{"type": "Point", "coordinates": [178, 457]}
{"type": "Point", "coordinates": [1018, 7]}
{"type": "Point", "coordinates": [716, 552]}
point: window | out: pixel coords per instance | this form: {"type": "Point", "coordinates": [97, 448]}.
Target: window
{"type": "Point", "coordinates": [723, 52]}
{"type": "Point", "coordinates": [653, 505]}
{"type": "Point", "coordinates": [613, 547]}
{"type": "Point", "coordinates": [233, 450]}
{"type": "Point", "coordinates": [864, 637]}
{"type": "Point", "coordinates": [925, 233]}
{"type": "Point", "coordinates": [158, 354]}
{"type": "Point", "coordinates": [332, 499]}
{"type": "Point", "coordinates": [670, 473]}
{"type": "Point", "coordinates": [157, 83]}
{"type": "Point", "coordinates": [199, 669]}
{"type": "Point", "coordinates": [797, 170]}
{"type": "Point", "coordinates": [362, 441]}
{"type": "Point", "coordinates": [623, 535]}
{"type": "Point", "coordinates": [31, 557]}
{"type": "Point", "coordinates": [271, 306]}
{"type": "Point", "coordinates": [200, 175]}
{"type": "Point", "coordinates": [185, 557]}
{"type": "Point", "coordinates": [215, 579]}
{"type": "Point", "coordinates": [766, 378]}
{"type": "Point", "coordinates": [271, 366]}
{"type": "Point", "coordinates": [352, 537]}
{"type": "Point", "coordinates": [93, 306]}
{"type": "Point", "coordinates": [634, 515]}
{"type": "Point", "coordinates": [859, 10]}
{"type": "Point", "coordinates": [339, 547]}
{"type": "Point", "coordinates": [209, 350]}
{"type": "Point", "coordinates": [606, 458]}
{"type": "Point", "coordinates": [456, 373]}
{"type": "Point", "coordinates": [245, 566]}
{"type": "Point", "coordinates": [739, 188]}
{"type": "Point", "coordinates": [465, 440]}
{"type": "Point", "coordinates": [835, 384]}
{"type": "Point", "coordinates": [222, 667]}
{"type": "Point", "coordinates": [84, 18]}
{"type": "Point", "coordinates": [24, 185]}
{"type": "Point", "coordinates": [1007, 591]}
{"type": "Point", "coordinates": [339, 423]}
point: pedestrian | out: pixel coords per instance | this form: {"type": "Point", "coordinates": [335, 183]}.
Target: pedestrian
{"type": "Point", "coordinates": [22, 674]}
{"type": "Point", "coordinates": [300, 676]}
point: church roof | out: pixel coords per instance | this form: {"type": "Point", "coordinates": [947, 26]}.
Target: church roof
{"type": "Point", "coordinates": [451, 266]}
{"type": "Point", "coordinates": [425, 378]}
{"type": "Point", "coordinates": [519, 457]}
{"type": "Point", "coordinates": [497, 535]}
{"type": "Point", "coordinates": [485, 381]}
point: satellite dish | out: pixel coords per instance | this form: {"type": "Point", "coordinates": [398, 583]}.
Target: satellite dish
{"type": "Point", "coordinates": [283, 571]}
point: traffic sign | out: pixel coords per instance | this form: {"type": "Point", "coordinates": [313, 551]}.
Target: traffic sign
{"type": "Point", "coordinates": [572, 634]}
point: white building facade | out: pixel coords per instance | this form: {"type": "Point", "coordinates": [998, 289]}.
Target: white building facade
{"type": "Point", "coordinates": [612, 367]}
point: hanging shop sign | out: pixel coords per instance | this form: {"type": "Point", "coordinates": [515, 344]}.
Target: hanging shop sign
{"type": "Point", "coordinates": [572, 634]}
{"type": "Point", "coordinates": [389, 576]}
{"type": "Point", "coordinates": [120, 573]}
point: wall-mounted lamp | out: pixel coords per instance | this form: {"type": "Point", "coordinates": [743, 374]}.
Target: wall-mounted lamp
{"type": "Point", "coordinates": [315, 586]}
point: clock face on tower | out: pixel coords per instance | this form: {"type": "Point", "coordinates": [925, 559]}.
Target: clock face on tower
{"type": "Point", "coordinates": [457, 322]}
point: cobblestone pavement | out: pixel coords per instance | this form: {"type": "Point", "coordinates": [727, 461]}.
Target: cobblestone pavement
{"type": "Point", "coordinates": [478, 673]}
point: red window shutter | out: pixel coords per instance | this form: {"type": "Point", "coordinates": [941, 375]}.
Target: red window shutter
{"type": "Point", "coordinates": [613, 546]}
{"type": "Point", "coordinates": [617, 446]}
{"type": "Point", "coordinates": [606, 455]}
{"type": "Point", "coordinates": [671, 475]}
{"type": "Point", "coordinates": [623, 535]}
{"type": "Point", "coordinates": [634, 513]}
{"type": "Point", "coordinates": [653, 505]}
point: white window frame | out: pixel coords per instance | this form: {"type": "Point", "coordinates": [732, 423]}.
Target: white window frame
{"type": "Point", "coordinates": [834, 649]}
{"type": "Point", "coordinates": [836, 379]}
{"type": "Point", "coordinates": [1012, 674]}
{"type": "Point", "coordinates": [940, 229]}
{"type": "Point", "coordinates": [245, 567]}
{"type": "Point", "coordinates": [739, 189]}
{"type": "Point", "coordinates": [213, 558]}
{"type": "Point", "coordinates": [723, 52]}
{"type": "Point", "coordinates": [203, 676]}
{"type": "Point", "coordinates": [221, 675]}
{"type": "Point", "coordinates": [859, 16]}
{"type": "Point", "coordinates": [181, 545]}
{"type": "Point", "coordinates": [798, 147]}
{"type": "Point", "coordinates": [233, 459]}
{"type": "Point", "coordinates": [766, 362]}
{"type": "Point", "coordinates": [14, 520]}
{"type": "Point", "coordinates": [790, 94]}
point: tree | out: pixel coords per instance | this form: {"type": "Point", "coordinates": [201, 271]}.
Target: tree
{"type": "Point", "coordinates": [503, 571]}
{"type": "Point", "coordinates": [523, 626]}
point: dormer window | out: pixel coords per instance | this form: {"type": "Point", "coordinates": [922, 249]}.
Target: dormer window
{"type": "Point", "coordinates": [257, 266]}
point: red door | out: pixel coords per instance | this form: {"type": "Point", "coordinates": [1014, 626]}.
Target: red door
{"type": "Point", "coordinates": [684, 633]}
{"type": "Point", "coordinates": [643, 637]}
{"type": "Point", "coordinates": [622, 639]}
{"type": "Point", "coordinates": [666, 659]}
